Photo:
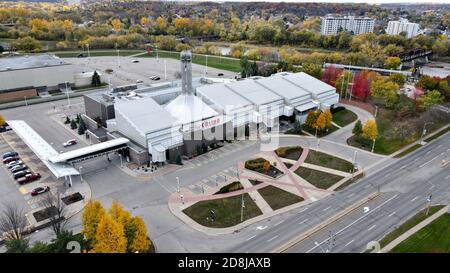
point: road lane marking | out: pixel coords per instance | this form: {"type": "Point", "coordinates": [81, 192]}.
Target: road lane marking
{"type": "Point", "coordinates": [302, 210]}
{"type": "Point", "coordinates": [402, 167]}
{"type": "Point", "coordinates": [428, 161]}
{"type": "Point", "coordinates": [391, 214]}
{"type": "Point", "coordinates": [432, 187]}
{"type": "Point", "coordinates": [350, 195]}
{"type": "Point", "coordinates": [303, 221]}
{"type": "Point", "coordinates": [414, 199]}
{"type": "Point", "coordinates": [387, 175]}
{"type": "Point", "coordinates": [248, 239]}
{"type": "Point", "coordinates": [327, 208]}
{"type": "Point", "coordinates": [278, 223]}
{"type": "Point", "coordinates": [349, 242]}
{"type": "Point", "coordinates": [273, 238]}
{"type": "Point", "coordinates": [357, 220]}
{"type": "Point", "coordinates": [428, 152]}
{"type": "Point", "coordinates": [372, 227]}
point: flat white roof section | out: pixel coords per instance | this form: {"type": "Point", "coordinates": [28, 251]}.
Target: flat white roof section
{"type": "Point", "coordinates": [223, 97]}
{"type": "Point", "coordinates": [307, 106]}
{"type": "Point", "coordinates": [67, 156]}
{"type": "Point", "coordinates": [145, 114]}
{"type": "Point", "coordinates": [41, 148]}
{"type": "Point", "coordinates": [282, 87]}
{"type": "Point", "coordinates": [309, 83]}
{"type": "Point", "coordinates": [254, 92]}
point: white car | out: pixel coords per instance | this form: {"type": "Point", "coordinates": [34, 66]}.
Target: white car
{"type": "Point", "coordinates": [139, 81]}
{"type": "Point", "coordinates": [70, 143]}
{"type": "Point", "coordinates": [13, 163]}
{"type": "Point", "coordinates": [155, 78]}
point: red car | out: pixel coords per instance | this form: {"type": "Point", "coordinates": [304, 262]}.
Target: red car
{"type": "Point", "coordinates": [10, 159]}
{"type": "Point", "coordinates": [29, 178]}
{"type": "Point", "coordinates": [40, 190]}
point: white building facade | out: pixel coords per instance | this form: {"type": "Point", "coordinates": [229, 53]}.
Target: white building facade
{"type": "Point", "coordinates": [357, 25]}
{"type": "Point", "coordinates": [403, 25]}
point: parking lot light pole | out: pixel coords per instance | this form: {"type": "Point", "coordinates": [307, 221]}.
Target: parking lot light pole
{"type": "Point", "coordinates": [25, 98]}
{"type": "Point", "coordinates": [178, 184]}
{"type": "Point", "coordinates": [81, 177]}
{"type": "Point", "coordinates": [67, 94]}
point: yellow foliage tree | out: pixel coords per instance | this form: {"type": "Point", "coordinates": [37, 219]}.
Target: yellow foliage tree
{"type": "Point", "coordinates": [2, 120]}
{"type": "Point", "coordinates": [321, 122]}
{"type": "Point", "coordinates": [370, 130]}
{"type": "Point", "coordinates": [68, 25]}
{"type": "Point", "coordinates": [161, 23]}
{"type": "Point", "coordinates": [266, 166]}
{"type": "Point", "coordinates": [116, 24]}
{"type": "Point", "coordinates": [140, 242]}
{"type": "Point", "coordinates": [145, 21]}
{"type": "Point", "coordinates": [328, 118]}
{"type": "Point", "coordinates": [110, 237]}
{"type": "Point", "coordinates": [92, 214]}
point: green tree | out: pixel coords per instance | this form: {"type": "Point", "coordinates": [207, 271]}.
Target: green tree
{"type": "Point", "coordinates": [312, 70]}
{"type": "Point", "coordinates": [357, 130]}
{"type": "Point", "coordinates": [39, 247]}
{"type": "Point", "coordinates": [27, 44]}
{"type": "Point", "coordinates": [81, 127]}
{"type": "Point", "coordinates": [59, 244]}
{"type": "Point", "coordinates": [16, 246]}
{"type": "Point", "coordinates": [397, 78]}
{"type": "Point", "coordinates": [178, 160]}
{"type": "Point", "coordinates": [67, 121]}
{"type": "Point", "coordinates": [392, 62]}
{"type": "Point", "coordinates": [385, 90]}
{"type": "Point", "coordinates": [140, 241]}
{"type": "Point", "coordinates": [430, 98]}
{"type": "Point", "coordinates": [96, 79]}
{"type": "Point", "coordinates": [73, 124]}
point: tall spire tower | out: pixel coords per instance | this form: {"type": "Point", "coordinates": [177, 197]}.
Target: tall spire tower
{"type": "Point", "coordinates": [186, 73]}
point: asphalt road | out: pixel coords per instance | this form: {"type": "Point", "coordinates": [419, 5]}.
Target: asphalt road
{"type": "Point", "coordinates": [404, 185]}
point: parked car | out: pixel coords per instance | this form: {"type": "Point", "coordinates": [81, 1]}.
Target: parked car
{"type": "Point", "coordinates": [70, 143]}
{"type": "Point", "coordinates": [139, 81]}
{"type": "Point", "coordinates": [10, 159]}
{"type": "Point", "coordinates": [220, 74]}
{"type": "Point", "coordinates": [19, 168]}
{"type": "Point", "coordinates": [39, 190]}
{"type": "Point", "coordinates": [28, 178]}
{"type": "Point", "coordinates": [14, 163]}
{"type": "Point", "coordinates": [155, 78]}
{"type": "Point", "coordinates": [20, 174]}
{"type": "Point", "coordinates": [9, 154]}
{"type": "Point", "coordinates": [134, 61]}
{"type": "Point", "coordinates": [81, 55]}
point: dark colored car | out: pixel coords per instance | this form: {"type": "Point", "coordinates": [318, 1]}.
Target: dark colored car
{"type": "Point", "coordinates": [29, 178]}
{"type": "Point", "coordinates": [40, 190]}
{"type": "Point", "coordinates": [20, 174]}
{"type": "Point", "coordinates": [18, 168]}
{"type": "Point", "coordinates": [10, 159]}
{"type": "Point", "coordinates": [220, 74]}
{"type": "Point", "coordinates": [9, 154]}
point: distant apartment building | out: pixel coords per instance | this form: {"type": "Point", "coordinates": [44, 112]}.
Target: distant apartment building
{"type": "Point", "coordinates": [403, 25]}
{"type": "Point", "coordinates": [357, 25]}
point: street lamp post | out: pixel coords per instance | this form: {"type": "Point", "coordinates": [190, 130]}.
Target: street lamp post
{"type": "Point", "coordinates": [89, 53]}
{"type": "Point", "coordinates": [373, 145]}
{"type": "Point", "coordinates": [165, 69]}
{"type": "Point", "coordinates": [376, 110]}
{"type": "Point", "coordinates": [25, 98]}
{"type": "Point", "coordinates": [242, 207]}
{"type": "Point", "coordinates": [424, 130]}
{"type": "Point", "coordinates": [81, 177]}
{"type": "Point", "coordinates": [67, 94]}
{"type": "Point", "coordinates": [428, 203]}
{"type": "Point", "coordinates": [178, 184]}
{"type": "Point", "coordinates": [354, 162]}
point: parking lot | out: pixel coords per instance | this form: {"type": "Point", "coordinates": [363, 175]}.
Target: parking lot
{"type": "Point", "coordinates": [129, 72]}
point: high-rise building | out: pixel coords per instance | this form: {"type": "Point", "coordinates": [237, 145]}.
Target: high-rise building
{"type": "Point", "coordinates": [357, 25]}
{"type": "Point", "coordinates": [403, 25]}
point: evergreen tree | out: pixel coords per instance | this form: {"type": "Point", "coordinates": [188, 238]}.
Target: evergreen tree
{"type": "Point", "coordinates": [178, 159]}
{"type": "Point", "coordinates": [357, 130]}
{"type": "Point", "coordinates": [67, 121]}
{"type": "Point", "coordinates": [73, 124]}
{"type": "Point", "coordinates": [16, 246]}
{"type": "Point", "coordinates": [96, 79]}
{"type": "Point", "coordinates": [82, 127]}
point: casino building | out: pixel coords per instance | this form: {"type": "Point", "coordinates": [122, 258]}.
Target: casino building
{"type": "Point", "coordinates": [185, 117]}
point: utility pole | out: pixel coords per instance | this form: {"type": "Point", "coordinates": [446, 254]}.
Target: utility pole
{"type": "Point", "coordinates": [67, 94]}
{"type": "Point", "coordinates": [242, 207]}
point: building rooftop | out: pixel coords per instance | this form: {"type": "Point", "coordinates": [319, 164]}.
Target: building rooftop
{"type": "Point", "coordinates": [223, 97]}
{"type": "Point", "coordinates": [30, 61]}
{"type": "Point", "coordinates": [282, 87]}
{"type": "Point", "coordinates": [254, 92]}
{"type": "Point", "coordinates": [145, 114]}
{"type": "Point", "coordinates": [188, 108]}
{"type": "Point", "coordinates": [309, 83]}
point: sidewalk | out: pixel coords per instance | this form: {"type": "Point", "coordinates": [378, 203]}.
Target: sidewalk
{"type": "Point", "coordinates": [413, 230]}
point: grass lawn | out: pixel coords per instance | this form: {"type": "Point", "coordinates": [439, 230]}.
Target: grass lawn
{"type": "Point", "coordinates": [321, 180]}
{"type": "Point", "coordinates": [97, 53]}
{"type": "Point", "coordinates": [382, 145]}
{"type": "Point", "coordinates": [312, 131]}
{"type": "Point", "coordinates": [227, 211]}
{"type": "Point", "coordinates": [409, 150]}
{"type": "Point", "coordinates": [350, 181]}
{"type": "Point", "coordinates": [328, 161]}
{"type": "Point", "coordinates": [413, 221]}
{"type": "Point", "coordinates": [292, 152]}
{"type": "Point", "coordinates": [213, 61]}
{"type": "Point", "coordinates": [434, 238]}
{"type": "Point", "coordinates": [428, 139]}
{"type": "Point", "coordinates": [278, 198]}
{"type": "Point", "coordinates": [344, 117]}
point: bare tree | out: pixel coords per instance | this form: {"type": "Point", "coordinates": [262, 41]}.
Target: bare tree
{"type": "Point", "coordinates": [12, 221]}
{"type": "Point", "coordinates": [57, 210]}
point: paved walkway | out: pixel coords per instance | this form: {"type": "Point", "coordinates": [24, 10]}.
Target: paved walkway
{"type": "Point", "coordinates": [345, 132]}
